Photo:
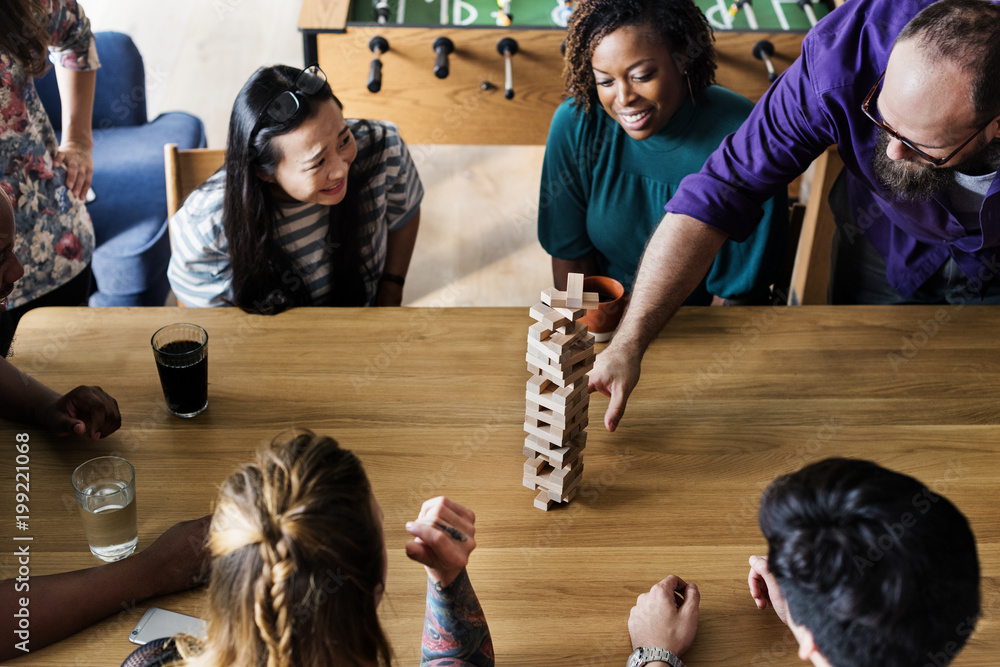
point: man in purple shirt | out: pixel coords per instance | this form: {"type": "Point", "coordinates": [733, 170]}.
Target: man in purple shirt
{"type": "Point", "coordinates": [918, 207]}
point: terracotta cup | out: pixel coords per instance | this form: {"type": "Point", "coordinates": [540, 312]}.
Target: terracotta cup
{"type": "Point", "coordinates": [604, 321]}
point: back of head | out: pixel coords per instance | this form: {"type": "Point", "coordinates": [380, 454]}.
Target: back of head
{"type": "Point", "coordinates": [297, 560]}
{"type": "Point", "coordinates": [966, 32]}
{"type": "Point", "coordinates": [680, 23]}
{"type": "Point", "coordinates": [878, 568]}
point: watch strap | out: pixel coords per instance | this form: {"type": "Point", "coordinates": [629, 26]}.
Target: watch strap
{"type": "Point", "coordinates": [646, 654]}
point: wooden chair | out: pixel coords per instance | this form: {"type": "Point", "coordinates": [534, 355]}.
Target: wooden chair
{"type": "Point", "coordinates": [186, 170]}
{"type": "Point", "coordinates": [811, 272]}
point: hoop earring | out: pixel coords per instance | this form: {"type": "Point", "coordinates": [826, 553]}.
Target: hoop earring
{"type": "Point", "coordinates": [690, 90]}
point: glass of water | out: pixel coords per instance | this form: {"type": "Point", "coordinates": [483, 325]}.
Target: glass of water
{"type": "Point", "coordinates": [105, 493]}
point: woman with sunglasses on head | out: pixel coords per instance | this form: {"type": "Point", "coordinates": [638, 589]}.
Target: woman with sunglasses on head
{"type": "Point", "coordinates": [310, 209]}
{"type": "Point", "coordinates": [644, 113]}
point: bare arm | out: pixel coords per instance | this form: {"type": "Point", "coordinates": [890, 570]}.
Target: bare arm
{"type": "Point", "coordinates": [61, 604]}
{"type": "Point", "coordinates": [21, 395]}
{"type": "Point", "coordinates": [76, 90]}
{"type": "Point", "coordinates": [399, 250]}
{"type": "Point", "coordinates": [85, 410]}
{"type": "Point", "coordinates": [563, 267]}
{"type": "Point", "coordinates": [676, 259]}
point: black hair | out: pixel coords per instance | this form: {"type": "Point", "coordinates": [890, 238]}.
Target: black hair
{"type": "Point", "coordinates": [264, 277]}
{"type": "Point", "coordinates": [681, 25]}
{"type": "Point", "coordinates": [878, 568]}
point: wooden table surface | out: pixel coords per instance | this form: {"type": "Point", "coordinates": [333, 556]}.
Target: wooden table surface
{"type": "Point", "coordinates": [432, 401]}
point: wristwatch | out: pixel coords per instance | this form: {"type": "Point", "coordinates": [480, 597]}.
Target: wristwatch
{"type": "Point", "coordinates": [644, 655]}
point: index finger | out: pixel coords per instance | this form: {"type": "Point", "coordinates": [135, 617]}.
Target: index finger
{"type": "Point", "coordinates": [616, 410]}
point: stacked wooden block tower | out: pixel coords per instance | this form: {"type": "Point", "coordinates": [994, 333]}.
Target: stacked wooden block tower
{"type": "Point", "coordinates": [560, 354]}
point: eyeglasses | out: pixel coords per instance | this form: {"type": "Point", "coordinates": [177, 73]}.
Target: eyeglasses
{"type": "Point", "coordinates": [283, 106]}
{"type": "Point", "coordinates": [936, 161]}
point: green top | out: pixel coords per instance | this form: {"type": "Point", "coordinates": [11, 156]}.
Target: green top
{"type": "Point", "coordinates": [603, 193]}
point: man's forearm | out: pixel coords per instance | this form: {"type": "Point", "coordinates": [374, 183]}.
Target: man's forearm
{"type": "Point", "coordinates": [61, 604]}
{"type": "Point", "coordinates": [21, 395]}
{"type": "Point", "coordinates": [677, 257]}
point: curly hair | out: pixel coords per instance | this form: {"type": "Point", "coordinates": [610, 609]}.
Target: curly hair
{"type": "Point", "coordinates": [680, 24]}
{"type": "Point", "coordinates": [297, 562]}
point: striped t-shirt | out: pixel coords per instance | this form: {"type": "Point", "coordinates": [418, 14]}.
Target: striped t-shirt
{"type": "Point", "coordinates": [200, 273]}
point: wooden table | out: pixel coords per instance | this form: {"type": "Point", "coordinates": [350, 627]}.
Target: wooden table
{"type": "Point", "coordinates": [432, 401]}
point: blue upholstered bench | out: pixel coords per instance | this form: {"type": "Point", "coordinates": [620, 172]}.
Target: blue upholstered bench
{"type": "Point", "coordinates": [130, 212]}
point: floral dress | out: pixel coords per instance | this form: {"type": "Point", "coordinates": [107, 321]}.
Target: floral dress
{"type": "Point", "coordinates": [55, 238]}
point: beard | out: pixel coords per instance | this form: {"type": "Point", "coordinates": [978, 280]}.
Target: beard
{"type": "Point", "coordinates": [911, 180]}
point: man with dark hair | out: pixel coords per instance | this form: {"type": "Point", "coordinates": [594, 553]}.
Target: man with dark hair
{"type": "Point", "coordinates": [85, 410]}
{"type": "Point", "coordinates": [866, 566]}
{"type": "Point", "coordinates": [908, 91]}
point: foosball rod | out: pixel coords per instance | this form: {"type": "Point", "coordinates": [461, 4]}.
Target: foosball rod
{"type": "Point", "coordinates": [378, 46]}
{"type": "Point", "coordinates": [748, 10]}
{"type": "Point", "coordinates": [763, 50]}
{"type": "Point", "coordinates": [507, 47]}
{"type": "Point", "coordinates": [381, 11]}
{"type": "Point", "coordinates": [806, 6]}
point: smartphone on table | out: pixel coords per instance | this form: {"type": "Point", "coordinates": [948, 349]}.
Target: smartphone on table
{"type": "Point", "coordinates": [157, 623]}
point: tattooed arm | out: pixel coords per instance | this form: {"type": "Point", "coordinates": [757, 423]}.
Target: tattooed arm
{"type": "Point", "coordinates": [455, 630]}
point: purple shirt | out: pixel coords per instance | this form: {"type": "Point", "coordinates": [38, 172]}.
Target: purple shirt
{"type": "Point", "coordinates": [817, 103]}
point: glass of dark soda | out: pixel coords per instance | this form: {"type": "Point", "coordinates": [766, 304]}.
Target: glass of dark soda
{"type": "Point", "coordinates": [181, 353]}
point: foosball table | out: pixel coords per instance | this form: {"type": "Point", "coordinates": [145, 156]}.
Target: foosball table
{"type": "Point", "coordinates": [490, 71]}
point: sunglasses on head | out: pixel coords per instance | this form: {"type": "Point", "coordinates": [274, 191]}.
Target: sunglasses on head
{"type": "Point", "coordinates": [283, 106]}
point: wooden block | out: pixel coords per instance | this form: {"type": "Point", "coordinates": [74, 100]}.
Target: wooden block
{"type": "Point", "coordinates": [559, 437]}
{"type": "Point", "coordinates": [537, 444]}
{"type": "Point", "coordinates": [591, 300]}
{"type": "Point", "coordinates": [561, 377]}
{"type": "Point", "coordinates": [579, 331]}
{"type": "Point", "coordinates": [561, 455]}
{"type": "Point", "coordinates": [549, 317]}
{"type": "Point", "coordinates": [569, 473]}
{"type": "Point", "coordinates": [539, 331]}
{"type": "Point", "coordinates": [572, 314]}
{"type": "Point", "coordinates": [538, 384]}
{"type": "Point", "coordinates": [556, 417]}
{"type": "Point", "coordinates": [552, 297]}
{"type": "Point", "coordinates": [542, 501]}
{"type": "Point", "coordinates": [557, 355]}
{"type": "Point", "coordinates": [528, 483]}
{"type": "Point", "coordinates": [546, 350]}
{"type": "Point", "coordinates": [562, 495]}
{"type": "Point", "coordinates": [534, 465]}
{"type": "Point", "coordinates": [574, 290]}
{"type": "Point", "coordinates": [550, 400]}
{"type": "Point", "coordinates": [572, 328]}
{"type": "Point", "coordinates": [555, 299]}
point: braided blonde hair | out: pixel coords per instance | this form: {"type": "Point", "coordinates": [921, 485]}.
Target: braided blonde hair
{"type": "Point", "coordinates": [297, 560]}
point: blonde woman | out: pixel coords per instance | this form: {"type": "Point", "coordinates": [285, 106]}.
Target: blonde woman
{"type": "Point", "coordinates": [299, 565]}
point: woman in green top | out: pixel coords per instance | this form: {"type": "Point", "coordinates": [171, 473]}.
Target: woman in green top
{"type": "Point", "coordinates": [644, 112]}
